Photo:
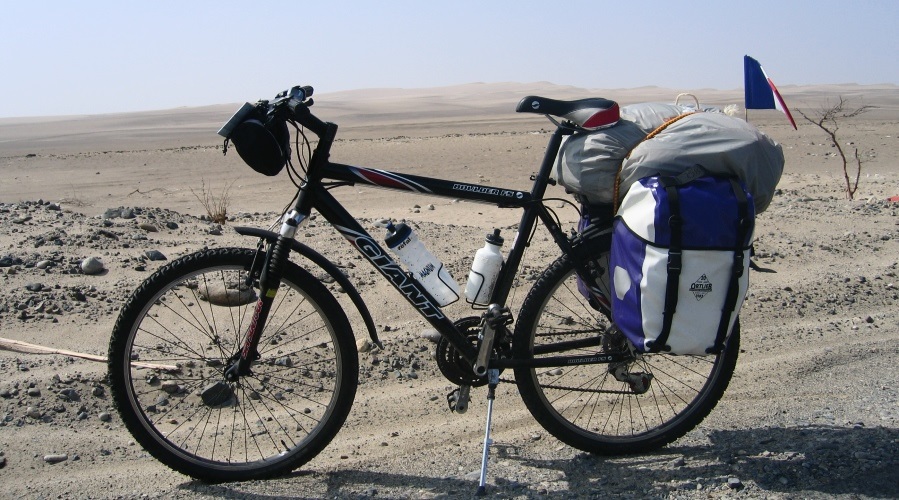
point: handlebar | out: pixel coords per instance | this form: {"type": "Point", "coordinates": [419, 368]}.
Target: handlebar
{"type": "Point", "coordinates": [299, 111]}
{"type": "Point", "coordinates": [296, 102]}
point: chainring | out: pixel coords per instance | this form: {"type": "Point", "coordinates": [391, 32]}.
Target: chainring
{"type": "Point", "coordinates": [451, 363]}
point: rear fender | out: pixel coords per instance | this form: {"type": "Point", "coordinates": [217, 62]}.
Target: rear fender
{"type": "Point", "coordinates": [327, 266]}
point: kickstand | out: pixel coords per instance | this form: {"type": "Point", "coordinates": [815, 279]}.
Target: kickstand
{"type": "Point", "coordinates": [493, 380]}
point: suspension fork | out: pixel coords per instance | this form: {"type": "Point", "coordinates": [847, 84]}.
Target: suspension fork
{"type": "Point", "coordinates": [276, 259]}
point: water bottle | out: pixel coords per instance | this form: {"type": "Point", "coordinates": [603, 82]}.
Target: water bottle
{"type": "Point", "coordinates": [484, 270]}
{"type": "Point", "coordinates": [425, 268]}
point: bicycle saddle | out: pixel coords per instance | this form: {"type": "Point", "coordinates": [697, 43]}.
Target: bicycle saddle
{"type": "Point", "coordinates": [593, 113]}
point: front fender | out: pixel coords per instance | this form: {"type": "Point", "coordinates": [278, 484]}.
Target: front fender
{"type": "Point", "coordinates": [329, 267]}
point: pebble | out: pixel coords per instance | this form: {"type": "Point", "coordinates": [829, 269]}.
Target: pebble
{"type": "Point", "coordinates": [155, 255]}
{"type": "Point", "coordinates": [363, 345]}
{"type": "Point", "coordinates": [431, 334]}
{"type": "Point", "coordinates": [170, 387]}
{"type": "Point", "coordinates": [734, 483]}
{"type": "Point", "coordinates": [105, 416]}
{"type": "Point", "coordinates": [285, 361]}
{"type": "Point", "coordinates": [150, 228]}
{"type": "Point", "coordinates": [216, 393]}
{"type": "Point", "coordinates": [55, 458]}
{"type": "Point", "coordinates": [44, 264]}
{"type": "Point", "coordinates": [34, 287]}
{"type": "Point", "coordinates": [69, 395]}
{"type": "Point", "coordinates": [92, 265]}
{"type": "Point", "coordinates": [218, 295]}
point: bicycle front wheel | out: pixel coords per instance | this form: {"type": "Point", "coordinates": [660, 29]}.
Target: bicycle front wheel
{"type": "Point", "coordinates": [181, 329]}
{"type": "Point", "coordinates": [631, 407]}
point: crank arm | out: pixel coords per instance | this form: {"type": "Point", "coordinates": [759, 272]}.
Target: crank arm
{"type": "Point", "coordinates": [496, 317]}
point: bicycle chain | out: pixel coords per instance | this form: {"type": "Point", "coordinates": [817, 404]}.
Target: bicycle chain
{"type": "Point", "coordinates": [579, 389]}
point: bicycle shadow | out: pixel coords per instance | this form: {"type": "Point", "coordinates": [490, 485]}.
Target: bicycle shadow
{"type": "Point", "coordinates": [806, 461]}
{"type": "Point", "coordinates": [823, 460]}
{"type": "Point", "coordinates": [343, 483]}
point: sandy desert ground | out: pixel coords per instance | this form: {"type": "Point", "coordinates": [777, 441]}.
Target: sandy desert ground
{"type": "Point", "coordinates": [812, 411]}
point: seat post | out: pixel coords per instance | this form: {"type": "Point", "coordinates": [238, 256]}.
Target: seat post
{"type": "Point", "coordinates": [549, 160]}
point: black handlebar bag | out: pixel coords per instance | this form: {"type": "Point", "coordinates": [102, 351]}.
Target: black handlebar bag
{"type": "Point", "coordinates": [680, 261]}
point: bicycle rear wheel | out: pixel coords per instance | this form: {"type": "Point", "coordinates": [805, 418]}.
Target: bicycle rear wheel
{"type": "Point", "coordinates": [180, 330]}
{"type": "Point", "coordinates": [631, 407]}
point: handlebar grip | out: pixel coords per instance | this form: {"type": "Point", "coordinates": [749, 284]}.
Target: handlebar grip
{"type": "Point", "coordinates": [298, 92]}
{"type": "Point", "coordinates": [304, 117]}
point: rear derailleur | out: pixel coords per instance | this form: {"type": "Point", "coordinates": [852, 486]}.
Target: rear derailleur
{"type": "Point", "coordinates": [639, 382]}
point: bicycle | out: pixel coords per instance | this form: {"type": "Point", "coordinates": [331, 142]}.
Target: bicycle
{"type": "Point", "coordinates": [235, 364]}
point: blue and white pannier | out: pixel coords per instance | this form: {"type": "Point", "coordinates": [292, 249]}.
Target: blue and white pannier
{"type": "Point", "coordinates": [680, 261]}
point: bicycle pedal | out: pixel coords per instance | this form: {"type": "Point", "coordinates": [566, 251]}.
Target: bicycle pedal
{"type": "Point", "coordinates": [458, 399]}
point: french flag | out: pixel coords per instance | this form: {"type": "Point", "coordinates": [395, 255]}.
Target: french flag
{"type": "Point", "coordinates": [760, 90]}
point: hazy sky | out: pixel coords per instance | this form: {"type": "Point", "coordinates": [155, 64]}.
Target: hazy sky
{"type": "Point", "coordinates": [89, 57]}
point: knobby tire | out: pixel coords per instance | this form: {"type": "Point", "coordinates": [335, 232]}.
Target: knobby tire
{"type": "Point", "coordinates": [178, 332]}
{"type": "Point", "coordinates": [585, 406]}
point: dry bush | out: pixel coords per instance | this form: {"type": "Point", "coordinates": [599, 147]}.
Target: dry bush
{"type": "Point", "coordinates": [75, 200]}
{"type": "Point", "coordinates": [216, 205]}
{"type": "Point", "coordinates": [828, 120]}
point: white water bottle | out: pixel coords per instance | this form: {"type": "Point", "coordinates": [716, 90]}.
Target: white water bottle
{"type": "Point", "coordinates": [484, 270]}
{"type": "Point", "coordinates": [425, 268]}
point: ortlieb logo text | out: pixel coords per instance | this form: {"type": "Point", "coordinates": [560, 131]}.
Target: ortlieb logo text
{"type": "Point", "coordinates": [701, 287]}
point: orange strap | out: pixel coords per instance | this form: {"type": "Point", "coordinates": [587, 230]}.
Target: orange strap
{"type": "Point", "coordinates": [649, 136]}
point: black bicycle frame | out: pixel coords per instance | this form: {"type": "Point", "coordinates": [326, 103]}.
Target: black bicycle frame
{"type": "Point", "coordinates": [313, 194]}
